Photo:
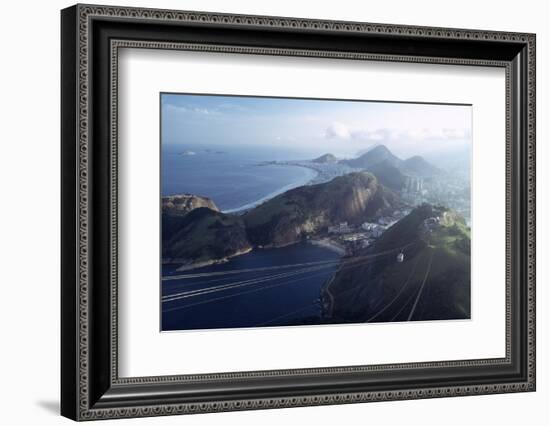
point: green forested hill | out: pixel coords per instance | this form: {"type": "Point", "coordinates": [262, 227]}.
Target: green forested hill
{"type": "Point", "coordinates": [433, 281]}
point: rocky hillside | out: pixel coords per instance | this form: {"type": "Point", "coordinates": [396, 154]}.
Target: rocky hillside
{"type": "Point", "coordinates": [206, 235]}
{"type": "Point", "coordinates": [432, 283]}
{"type": "Point", "coordinates": [306, 210]}
{"type": "Point", "coordinates": [203, 236]}
{"type": "Point", "coordinates": [180, 205]}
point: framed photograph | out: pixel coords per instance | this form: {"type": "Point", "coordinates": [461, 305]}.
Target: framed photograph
{"type": "Point", "coordinates": [263, 212]}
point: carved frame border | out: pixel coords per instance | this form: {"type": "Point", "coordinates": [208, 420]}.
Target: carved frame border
{"type": "Point", "coordinates": [85, 14]}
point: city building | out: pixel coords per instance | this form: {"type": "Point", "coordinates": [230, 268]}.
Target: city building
{"type": "Point", "coordinates": [341, 228]}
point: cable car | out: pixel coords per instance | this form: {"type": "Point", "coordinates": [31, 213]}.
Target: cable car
{"type": "Point", "coordinates": [400, 257]}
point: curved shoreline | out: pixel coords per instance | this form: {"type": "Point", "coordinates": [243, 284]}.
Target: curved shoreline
{"type": "Point", "coordinates": [328, 244]}
{"type": "Point", "coordinates": [188, 266]}
{"type": "Point", "coordinates": [273, 194]}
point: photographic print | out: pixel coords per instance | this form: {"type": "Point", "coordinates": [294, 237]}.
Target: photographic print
{"type": "Point", "coordinates": [289, 212]}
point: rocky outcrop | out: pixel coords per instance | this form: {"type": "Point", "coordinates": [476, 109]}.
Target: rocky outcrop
{"type": "Point", "coordinates": [180, 205]}
{"type": "Point", "coordinates": [303, 211]}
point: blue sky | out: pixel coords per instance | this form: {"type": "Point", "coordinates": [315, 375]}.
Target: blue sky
{"type": "Point", "coordinates": [340, 127]}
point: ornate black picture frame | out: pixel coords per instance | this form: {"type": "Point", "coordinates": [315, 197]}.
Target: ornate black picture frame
{"type": "Point", "coordinates": [91, 387]}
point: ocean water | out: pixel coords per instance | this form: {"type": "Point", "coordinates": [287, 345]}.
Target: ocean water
{"type": "Point", "coordinates": [271, 287]}
{"type": "Point", "coordinates": [233, 177]}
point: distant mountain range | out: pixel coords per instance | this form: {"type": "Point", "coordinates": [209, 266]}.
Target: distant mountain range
{"type": "Point", "coordinates": [376, 155]}
{"type": "Point", "coordinates": [390, 170]}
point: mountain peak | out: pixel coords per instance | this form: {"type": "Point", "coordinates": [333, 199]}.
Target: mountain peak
{"type": "Point", "coordinates": [389, 168]}
{"type": "Point", "coordinates": [379, 148]}
{"type": "Point", "coordinates": [374, 156]}
{"type": "Point", "coordinates": [326, 158]}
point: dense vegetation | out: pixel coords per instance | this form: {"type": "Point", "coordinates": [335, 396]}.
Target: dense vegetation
{"type": "Point", "coordinates": [435, 273]}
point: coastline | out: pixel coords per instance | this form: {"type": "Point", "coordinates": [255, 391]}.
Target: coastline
{"type": "Point", "coordinates": [251, 205]}
{"type": "Point", "coordinates": [320, 176]}
{"type": "Point", "coordinates": [188, 266]}
{"type": "Point", "coordinates": [185, 265]}
{"type": "Point", "coordinates": [330, 245]}
{"type": "Point", "coordinates": [315, 175]}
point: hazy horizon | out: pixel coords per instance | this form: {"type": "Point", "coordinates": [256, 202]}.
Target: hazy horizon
{"type": "Point", "coordinates": [343, 128]}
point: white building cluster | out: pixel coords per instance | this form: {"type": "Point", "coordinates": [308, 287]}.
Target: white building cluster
{"type": "Point", "coordinates": [360, 237]}
{"type": "Point", "coordinates": [341, 228]}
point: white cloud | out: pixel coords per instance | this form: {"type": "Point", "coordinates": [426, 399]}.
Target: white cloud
{"type": "Point", "coordinates": [183, 109]}
{"type": "Point", "coordinates": [371, 135]}
{"type": "Point", "coordinates": [337, 131]}
{"type": "Point", "coordinates": [342, 131]}
{"type": "Point", "coordinates": [435, 134]}
{"type": "Point", "coordinates": [202, 111]}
